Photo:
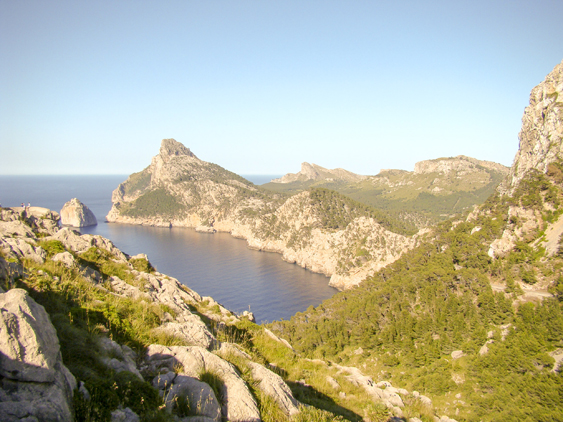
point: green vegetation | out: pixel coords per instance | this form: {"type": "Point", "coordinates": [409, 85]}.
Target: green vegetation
{"type": "Point", "coordinates": [336, 211]}
{"type": "Point", "coordinates": [154, 203]}
{"type": "Point", "coordinates": [412, 197]}
{"type": "Point", "coordinates": [437, 299]}
{"type": "Point", "coordinates": [137, 182]}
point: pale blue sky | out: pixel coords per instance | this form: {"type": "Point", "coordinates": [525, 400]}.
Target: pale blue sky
{"type": "Point", "coordinates": [258, 86]}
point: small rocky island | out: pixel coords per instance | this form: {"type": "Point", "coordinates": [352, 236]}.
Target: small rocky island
{"type": "Point", "coordinates": [76, 214]}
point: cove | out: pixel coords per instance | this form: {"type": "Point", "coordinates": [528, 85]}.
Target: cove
{"type": "Point", "coordinates": [216, 265]}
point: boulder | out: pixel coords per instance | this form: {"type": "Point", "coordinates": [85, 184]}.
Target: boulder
{"type": "Point", "coordinates": [273, 385]}
{"type": "Point", "coordinates": [18, 248]}
{"type": "Point", "coordinates": [199, 395]}
{"type": "Point", "coordinates": [76, 214]}
{"type": "Point", "coordinates": [34, 383]}
{"type": "Point", "coordinates": [119, 358]}
{"type": "Point", "coordinates": [238, 404]}
{"type": "Point", "coordinates": [65, 258]}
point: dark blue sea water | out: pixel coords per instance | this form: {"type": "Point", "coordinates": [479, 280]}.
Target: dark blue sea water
{"type": "Point", "coordinates": [216, 265]}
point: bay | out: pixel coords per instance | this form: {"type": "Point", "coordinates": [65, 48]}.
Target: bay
{"type": "Point", "coordinates": [215, 265]}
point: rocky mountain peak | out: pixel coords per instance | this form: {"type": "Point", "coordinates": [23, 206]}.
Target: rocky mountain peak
{"type": "Point", "coordinates": [171, 148]}
{"type": "Point", "coordinates": [541, 136]}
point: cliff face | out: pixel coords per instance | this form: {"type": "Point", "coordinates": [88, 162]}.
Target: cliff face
{"type": "Point", "coordinates": [531, 186]}
{"type": "Point", "coordinates": [178, 189]}
{"type": "Point", "coordinates": [541, 137]}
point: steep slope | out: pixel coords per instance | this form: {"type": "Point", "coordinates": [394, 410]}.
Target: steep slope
{"type": "Point", "coordinates": [317, 229]}
{"type": "Point", "coordinates": [473, 317]}
{"type": "Point", "coordinates": [92, 334]}
{"type": "Point", "coordinates": [435, 190]}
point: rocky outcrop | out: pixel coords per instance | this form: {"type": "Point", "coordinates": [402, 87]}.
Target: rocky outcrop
{"type": "Point", "coordinates": [35, 384]}
{"type": "Point", "coordinates": [206, 197]}
{"type": "Point", "coordinates": [541, 136]}
{"type": "Point", "coordinates": [314, 172]}
{"type": "Point", "coordinates": [540, 151]}
{"type": "Point", "coordinates": [237, 401]}
{"type": "Point", "coordinates": [76, 214]}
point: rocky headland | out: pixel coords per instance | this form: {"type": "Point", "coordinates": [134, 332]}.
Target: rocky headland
{"type": "Point", "coordinates": [316, 230]}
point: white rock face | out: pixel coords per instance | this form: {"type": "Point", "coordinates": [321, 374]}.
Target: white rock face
{"type": "Point", "coordinates": [35, 383]}
{"type": "Point", "coordinates": [76, 214]}
{"type": "Point", "coordinates": [541, 137]}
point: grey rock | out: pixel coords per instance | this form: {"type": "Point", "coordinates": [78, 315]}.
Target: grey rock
{"type": "Point", "coordinates": [199, 395]}
{"type": "Point", "coordinates": [119, 358]}
{"type": "Point", "coordinates": [541, 137]}
{"type": "Point", "coordinates": [78, 243]}
{"type": "Point", "coordinates": [238, 403]}
{"type": "Point", "coordinates": [16, 229]}
{"type": "Point", "coordinates": [66, 258]}
{"type": "Point", "coordinates": [193, 332]}
{"type": "Point", "coordinates": [18, 248]}
{"type": "Point", "coordinates": [274, 386]}
{"type": "Point", "coordinates": [164, 381]}
{"type": "Point", "coordinates": [34, 383]}
{"type": "Point", "coordinates": [76, 214]}
{"type": "Point", "coordinates": [28, 340]}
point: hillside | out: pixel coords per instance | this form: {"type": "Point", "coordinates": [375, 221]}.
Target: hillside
{"type": "Point", "coordinates": [318, 229]}
{"type": "Point", "coordinates": [434, 191]}
{"type": "Point", "coordinates": [472, 317]}
{"type": "Point", "coordinates": [92, 334]}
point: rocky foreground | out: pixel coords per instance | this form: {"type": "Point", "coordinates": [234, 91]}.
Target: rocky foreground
{"type": "Point", "coordinates": [199, 370]}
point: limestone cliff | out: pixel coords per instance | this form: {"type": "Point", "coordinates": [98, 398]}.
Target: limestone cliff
{"type": "Point", "coordinates": [541, 137]}
{"type": "Point", "coordinates": [325, 233]}
{"type": "Point", "coordinates": [529, 197]}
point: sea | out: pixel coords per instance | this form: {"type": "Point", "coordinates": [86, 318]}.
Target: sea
{"type": "Point", "coordinates": [216, 265]}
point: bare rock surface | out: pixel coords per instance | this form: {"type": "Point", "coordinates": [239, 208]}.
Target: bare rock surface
{"type": "Point", "coordinates": [119, 357]}
{"type": "Point", "coordinates": [199, 395]}
{"type": "Point", "coordinates": [238, 403]}
{"type": "Point", "coordinates": [541, 136]}
{"type": "Point", "coordinates": [78, 243]}
{"type": "Point", "coordinates": [74, 213]}
{"type": "Point", "coordinates": [274, 386]}
{"type": "Point", "coordinates": [35, 385]}
{"type": "Point", "coordinates": [18, 248]}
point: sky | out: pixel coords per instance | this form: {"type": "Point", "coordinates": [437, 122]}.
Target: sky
{"type": "Point", "coordinates": [260, 86]}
